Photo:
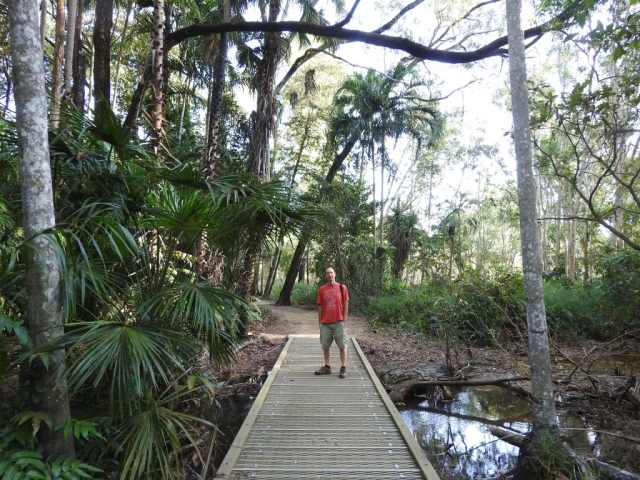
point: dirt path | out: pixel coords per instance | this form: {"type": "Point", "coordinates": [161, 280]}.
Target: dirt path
{"type": "Point", "coordinates": [304, 321]}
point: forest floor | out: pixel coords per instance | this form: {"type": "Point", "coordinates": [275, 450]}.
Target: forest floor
{"type": "Point", "coordinates": [604, 401]}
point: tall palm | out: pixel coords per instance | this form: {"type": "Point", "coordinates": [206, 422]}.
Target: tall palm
{"type": "Point", "coordinates": [376, 106]}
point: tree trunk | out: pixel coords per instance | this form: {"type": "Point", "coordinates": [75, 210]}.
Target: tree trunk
{"type": "Point", "coordinates": [215, 107]}
{"type": "Point", "coordinates": [301, 271]}
{"type": "Point", "coordinates": [56, 73]}
{"type": "Point", "coordinates": [543, 406]}
{"type": "Point", "coordinates": [570, 259]}
{"type": "Point", "coordinates": [260, 162]}
{"type": "Point", "coordinates": [157, 81]}
{"type": "Point", "coordinates": [43, 21]}
{"type": "Point", "coordinates": [8, 94]}
{"type": "Point", "coordinates": [585, 252]}
{"type": "Point", "coordinates": [273, 268]}
{"type": "Point", "coordinates": [102, 52]}
{"type": "Point", "coordinates": [558, 224]}
{"type": "Point", "coordinates": [382, 158]}
{"type": "Point", "coordinates": [138, 96]}
{"type": "Point", "coordinates": [72, 12]}
{"type": "Point", "coordinates": [43, 272]}
{"type": "Point", "coordinates": [618, 208]}
{"type": "Point", "coordinates": [373, 193]}
{"type": "Point", "coordinates": [79, 63]}
{"type": "Point", "coordinates": [292, 273]}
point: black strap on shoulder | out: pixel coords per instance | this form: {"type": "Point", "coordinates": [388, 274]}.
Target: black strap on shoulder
{"type": "Point", "coordinates": [341, 293]}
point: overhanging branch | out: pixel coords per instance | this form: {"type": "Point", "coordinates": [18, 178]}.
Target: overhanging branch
{"type": "Point", "coordinates": [492, 49]}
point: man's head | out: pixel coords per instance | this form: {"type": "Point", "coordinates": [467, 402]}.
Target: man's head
{"type": "Point", "coordinates": [330, 275]}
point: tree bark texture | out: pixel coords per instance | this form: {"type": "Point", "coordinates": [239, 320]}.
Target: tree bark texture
{"type": "Point", "coordinates": [102, 51]}
{"type": "Point", "coordinates": [157, 81]}
{"type": "Point", "coordinates": [217, 92]}
{"type": "Point", "coordinates": [56, 73]}
{"type": "Point", "coordinates": [544, 412]}
{"type": "Point", "coordinates": [43, 272]}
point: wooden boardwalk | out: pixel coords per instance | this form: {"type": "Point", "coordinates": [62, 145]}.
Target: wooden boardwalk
{"type": "Point", "coordinates": [321, 427]}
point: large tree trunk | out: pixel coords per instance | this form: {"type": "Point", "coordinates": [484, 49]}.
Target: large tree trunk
{"type": "Point", "coordinates": [259, 162]}
{"type": "Point", "coordinates": [43, 272]}
{"type": "Point", "coordinates": [215, 107]}
{"type": "Point", "coordinates": [102, 52]}
{"type": "Point", "coordinates": [544, 412]}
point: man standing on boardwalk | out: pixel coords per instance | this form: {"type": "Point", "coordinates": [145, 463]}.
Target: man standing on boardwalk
{"type": "Point", "coordinates": [333, 308]}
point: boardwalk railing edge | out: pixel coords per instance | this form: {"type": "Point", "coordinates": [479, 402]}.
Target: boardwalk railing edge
{"type": "Point", "coordinates": [416, 452]}
{"type": "Point", "coordinates": [230, 459]}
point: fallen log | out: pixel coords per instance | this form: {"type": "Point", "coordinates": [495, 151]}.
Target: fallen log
{"type": "Point", "coordinates": [398, 392]}
{"type": "Point", "coordinates": [606, 470]}
{"type": "Point", "coordinates": [467, 383]}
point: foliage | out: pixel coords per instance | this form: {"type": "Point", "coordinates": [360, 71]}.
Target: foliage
{"type": "Point", "coordinates": [137, 313]}
{"type": "Point", "coordinates": [578, 309]}
{"type": "Point", "coordinates": [20, 461]}
{"type": "Point", "coordinates": [620, 293]}
{"type": "Point", "coordinates": [476, 308]}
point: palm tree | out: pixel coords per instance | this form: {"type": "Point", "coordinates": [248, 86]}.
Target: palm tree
{"type": "Point", "coordinates": [377, 106]}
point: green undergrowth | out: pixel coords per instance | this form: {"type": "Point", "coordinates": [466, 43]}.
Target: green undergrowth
{"type": "Point", "coordinates": [302, 292]}
{"type": "Point", "coordinates": [480, 310]}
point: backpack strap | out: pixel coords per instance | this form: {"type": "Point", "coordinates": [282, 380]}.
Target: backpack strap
{"type": "Point", "coordinates": [341, 293]}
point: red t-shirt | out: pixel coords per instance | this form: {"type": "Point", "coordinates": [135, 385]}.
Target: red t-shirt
{"type": "Point", "coordinates": [332, 301]}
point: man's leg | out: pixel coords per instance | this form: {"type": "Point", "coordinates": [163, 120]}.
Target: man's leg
{"type": "Point", "coordinates": [343, 357]}
{"type": "Point", "coordinates": [326, 338]}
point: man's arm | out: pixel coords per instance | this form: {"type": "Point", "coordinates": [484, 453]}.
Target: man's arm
{"type": "Point", "coordinates": [345, 310]}
{"type": "Point", "coordinates": [319, 314]}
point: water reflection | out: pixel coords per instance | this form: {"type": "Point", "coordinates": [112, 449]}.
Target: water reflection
{"type": "Point", "coordinates": [456, 437]}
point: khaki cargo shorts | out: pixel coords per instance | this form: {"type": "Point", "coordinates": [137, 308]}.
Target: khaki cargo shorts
{"type": "Point", "coordinates": [333, 331]}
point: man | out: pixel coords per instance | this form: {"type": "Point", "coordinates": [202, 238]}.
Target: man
{"type": "Point", "coordinates": [333, 308]}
